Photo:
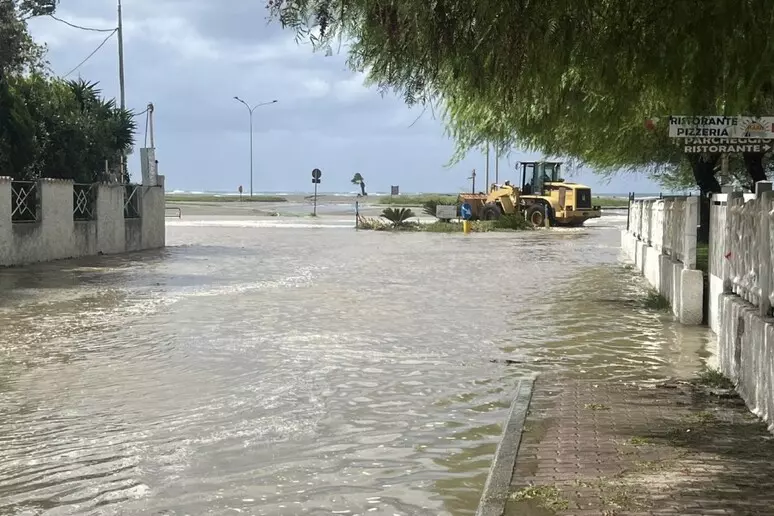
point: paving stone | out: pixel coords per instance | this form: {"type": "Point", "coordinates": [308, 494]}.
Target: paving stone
{"type": "Point", "coordinates": [612, 449]}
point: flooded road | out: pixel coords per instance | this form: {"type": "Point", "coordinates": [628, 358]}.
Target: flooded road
{"type": "Point", "coordinates": [282, 370]}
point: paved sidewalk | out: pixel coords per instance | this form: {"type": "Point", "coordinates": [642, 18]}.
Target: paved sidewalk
{"type": "Point", "coordinates": [595, 448]}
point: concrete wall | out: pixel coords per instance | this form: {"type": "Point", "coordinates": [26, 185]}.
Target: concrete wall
{"type": "Point", "coordinates": [741, 282]}
{"type": "Point", "coordinates": [661, 242]}
{"type": "Point", "coordinates": [55, 234]}
{"type": "Point", "coordinates": [745, 354]}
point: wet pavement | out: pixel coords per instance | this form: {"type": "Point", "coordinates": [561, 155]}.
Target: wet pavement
{"type": "Point", "coordinates": [606, 448]}
{"type": "Point", "coordinates": [270, 366]}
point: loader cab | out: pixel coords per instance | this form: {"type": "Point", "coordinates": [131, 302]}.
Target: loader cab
{"type": "Point", "coordinates": [534, 175]}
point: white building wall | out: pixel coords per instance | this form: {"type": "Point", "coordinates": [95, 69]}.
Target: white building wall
{"type": "Point", "coordinates": [56, 235]}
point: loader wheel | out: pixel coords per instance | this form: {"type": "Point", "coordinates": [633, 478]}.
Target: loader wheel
{"type": "Point", "coordinates": [490, 212]}
{"type": "Point", "coordinates": [536, 215]}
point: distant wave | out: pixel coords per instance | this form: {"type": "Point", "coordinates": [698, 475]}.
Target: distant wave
{"type": "Point", "coordinates": [370, 194]}
{"type": "Point", "coordinates": [334, 224]}
{"type": "Point", "coordinates": [304, 194]}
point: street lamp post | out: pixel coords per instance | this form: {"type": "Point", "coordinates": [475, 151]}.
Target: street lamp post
{"type": "Point", "coordinates": [250, 110]}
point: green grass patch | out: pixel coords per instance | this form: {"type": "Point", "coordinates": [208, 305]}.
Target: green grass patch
{"type": "Point", "coordinates": [702, 257]}
{"type": "Point", "coordinates": [224, 198]}
{"type": "Point", "coordinates": [443, 227]}
{"type": "Point", "coordinates": [504, 224]}
{"type": "Point", "coordinates": [610, 202]}
{"type": "Point", "coordinates": [514, 222]}
{"type": "Point", "coordinates": [545, 497]}
{"type": "Point", "coordinates": [713, 378]}
{"type": "Point", "coordinates": [375, 224]}
{"type": "Point", "coordinates": [418, 200]}
{"type": "Point", "coordinates": [655, 301]}
{"type": "Point", "coordinates": [701, 418]}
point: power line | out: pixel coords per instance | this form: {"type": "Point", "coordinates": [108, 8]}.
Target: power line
{"type": "Point", "coordinates": [78, 26]}
{"type": "Point", "coordinates": [141, 112]}
{"type": "Point", "coordinates": [90, 55]}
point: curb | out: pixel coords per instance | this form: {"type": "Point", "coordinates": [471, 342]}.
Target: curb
{"type": "Point", "coordinates": [498, 483]}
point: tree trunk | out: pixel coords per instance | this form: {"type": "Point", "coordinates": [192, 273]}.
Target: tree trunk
{"type": "Point", "coordinates": [753, 161]}
{"type": "Point", "coordinates": [703, 167]}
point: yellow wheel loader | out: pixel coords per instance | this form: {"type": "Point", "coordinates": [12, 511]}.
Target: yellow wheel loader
{"type": "Point", "coordinates": [543, 193]}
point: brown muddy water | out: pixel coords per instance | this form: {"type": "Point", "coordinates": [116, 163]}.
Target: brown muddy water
{"type": "Point", "coordinates": [275, 368]}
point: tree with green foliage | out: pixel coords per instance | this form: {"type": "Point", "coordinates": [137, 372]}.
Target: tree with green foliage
{"type": "Point", "coordinates": [564, 78]}
{"type": "Point", "coordinates": [62, 129]}
{"type": "Point", "coordinates": [51, 127]}
{"type": "Point", "coordinates": [357, 179]}
{"type": "Point", "coordinates": [17, 49]}
{"type": "Point", "coordinates": [680, 177]}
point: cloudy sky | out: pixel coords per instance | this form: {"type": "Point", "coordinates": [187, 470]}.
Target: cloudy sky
{"type": "Point", "coordinates": [191, 57]}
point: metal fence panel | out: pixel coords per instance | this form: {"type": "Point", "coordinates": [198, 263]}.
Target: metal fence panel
{"type": "Point", "coordinates": [24, 201]}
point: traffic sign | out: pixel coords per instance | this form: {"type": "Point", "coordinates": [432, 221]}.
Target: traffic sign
{"type": "Point", "coordinates": [446, 212]}
{"type": "Point", "coordinates": [316, 175]}
{"type": "Point", "coordinates": [466, 211]}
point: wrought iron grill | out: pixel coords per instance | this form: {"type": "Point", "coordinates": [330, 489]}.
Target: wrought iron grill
{"type": "Point", "coordinates": [24, 201]}
{"type": "Point", "coordinates": [84, 202]}
{"type": "Point", "coordinates": [132, 202]}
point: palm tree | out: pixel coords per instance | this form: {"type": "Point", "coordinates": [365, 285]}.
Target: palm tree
{"type": "Point", "coordinates": [358, 180]}
{"type": "Point", "coordinates": [398, 216]}
{"type": "Point", "coordinates": [112, 130]}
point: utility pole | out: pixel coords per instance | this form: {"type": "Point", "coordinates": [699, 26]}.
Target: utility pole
{"type": "Point", "coordinates": [150, 125]}
{"type": "Point", "coordinates": [497, 165]}
{"type": "Point", "coordinates": [121, 85]}
{"type": "Point", "coordinates": [250, 110]}
{"type": "Point", "coordinates": [251, 153]}
{"type": "Point", "coordinates": [487, 168]}
{"type": "Point", "coordinates": [121, 57]}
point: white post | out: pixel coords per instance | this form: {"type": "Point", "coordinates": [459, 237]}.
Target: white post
{"type": "Point", "coordinates": [764, 195]}
{"type": "Point", "coordinates": [731, 201]}
{"type": "Point", "coordinates": [664, 229]}
{"type": "Point", "coordinates": [669, 230]}
{"type": "Point", "coordinates": [689, 232]}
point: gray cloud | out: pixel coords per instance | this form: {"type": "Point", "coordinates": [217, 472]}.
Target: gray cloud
{"type": "Point", "coordinates": [190, 57]}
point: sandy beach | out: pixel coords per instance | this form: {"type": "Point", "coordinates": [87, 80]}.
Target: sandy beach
{"type": "Point", "coordinates": [295, 206]}
{"type": "Point", "coordinates": [337, 206]}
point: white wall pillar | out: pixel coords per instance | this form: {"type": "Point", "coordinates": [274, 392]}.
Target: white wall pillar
{"type": "Point", "coordinates": [6, 230]}
{"type": "Point", "coordinates": [110, 219]}
{"type": "Point", "coordinates": [56, 218]}
{"type": "Point", "coordinates": [153, 214]}
{"type": "Point", "coordinates": [765, 197]}
{"type": "Point", "coordinates": [691, 214]}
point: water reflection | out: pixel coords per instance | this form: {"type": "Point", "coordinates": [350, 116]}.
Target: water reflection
{"type": "Point", "coordinates": [600, 328]}
{"type": "Point", "coordinates": [301, 371]}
